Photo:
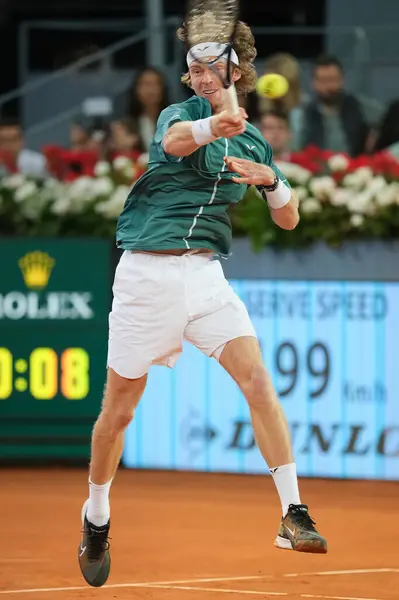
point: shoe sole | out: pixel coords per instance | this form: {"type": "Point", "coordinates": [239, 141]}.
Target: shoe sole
{"type": "Point", "coordinates": [308, 546]}
{"type": "Point", "coordinates": [283, 543]}
{"type": "Point", "coordinates": [103, 573]}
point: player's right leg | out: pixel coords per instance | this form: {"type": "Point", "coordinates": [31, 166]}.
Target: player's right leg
{"type": "Point", "coordinates": [120, 400]}
{"type": "Point", "coordinates": [146, 327]}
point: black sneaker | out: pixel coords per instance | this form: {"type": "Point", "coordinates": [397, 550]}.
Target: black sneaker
{"type": "Point", "coordinates": [297, 532]}
{"type": "Point", "coordinates": [94, 554]}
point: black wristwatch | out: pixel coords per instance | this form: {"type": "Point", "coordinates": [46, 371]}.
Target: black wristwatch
{"type": "Point", "coordinates": [263, 189]}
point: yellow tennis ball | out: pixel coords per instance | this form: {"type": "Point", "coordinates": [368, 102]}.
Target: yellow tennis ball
{"type": "Point", "coordinates": [272, 85]}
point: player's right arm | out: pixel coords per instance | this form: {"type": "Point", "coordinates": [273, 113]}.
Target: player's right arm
{"type": "Point", "coordinates": [185, 137]}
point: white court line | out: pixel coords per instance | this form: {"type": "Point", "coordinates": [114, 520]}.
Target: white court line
{"type": "Point", "coordinates": [212, 580]}
{"type": "Point", "coordinates": [205, 580]}
{"type": "Point", "coordinates": [256, 592]}
{"type": "Point", "coordinates": [336, 597]}
{"type": "Point", "coordinates": [22, 560]}
{"type": "Point", "coordinates": [138, 584]}
{"type": "Point", "coordinates": [347, 572]}
{"type": "Point", "coordinates": [219, 590]}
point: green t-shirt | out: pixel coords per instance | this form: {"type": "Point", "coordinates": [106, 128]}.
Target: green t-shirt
{"type": "Point", "coordinates": [183, 202]}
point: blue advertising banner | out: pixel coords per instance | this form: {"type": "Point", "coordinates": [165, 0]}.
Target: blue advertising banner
{"type": "Point", "coordinates": [332, 349]}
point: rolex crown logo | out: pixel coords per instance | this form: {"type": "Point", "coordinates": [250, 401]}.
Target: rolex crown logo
{"type": "Point", "coordinates": [36, 269]}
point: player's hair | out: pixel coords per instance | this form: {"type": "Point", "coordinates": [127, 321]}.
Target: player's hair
{"type": "Point", "coordinates": [244, 45]}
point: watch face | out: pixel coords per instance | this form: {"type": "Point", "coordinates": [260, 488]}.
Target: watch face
{"type": "Point", "coordinates": [271, 188]}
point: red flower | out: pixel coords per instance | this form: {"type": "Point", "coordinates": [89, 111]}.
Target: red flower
{"type": "Point", "coordinates": [9, 161]}
{"type": "Point", "coordinates": [314, 152]}
{"type": "Point", "coordinates": [307, 162]}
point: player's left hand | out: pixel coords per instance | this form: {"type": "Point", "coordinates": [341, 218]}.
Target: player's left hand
{"type": "Point", "coordinates": [251, 173]}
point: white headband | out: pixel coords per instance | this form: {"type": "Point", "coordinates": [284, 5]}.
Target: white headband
{"type": "Point", "coordinates": [207, 49]}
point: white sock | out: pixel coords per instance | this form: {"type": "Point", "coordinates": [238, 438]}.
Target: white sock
{"type": "Point", "coordinates": [286, 482]}
{"type": "Point", "coordinates": [98, 511]}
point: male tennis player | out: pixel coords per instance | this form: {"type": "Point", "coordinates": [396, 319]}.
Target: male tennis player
{"type": "Point", "coordinates": [168, 288]}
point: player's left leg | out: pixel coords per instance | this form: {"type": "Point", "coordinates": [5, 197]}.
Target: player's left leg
{"type": "Point", "coordinates": [220, 327]}
{"type": "Point", "coordinates": [241, 358]}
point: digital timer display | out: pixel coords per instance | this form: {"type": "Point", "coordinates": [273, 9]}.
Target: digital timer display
{"type": "Point", "coordinates": [45, 373]}
{"type": "Point", "coordinates": [54, 307]}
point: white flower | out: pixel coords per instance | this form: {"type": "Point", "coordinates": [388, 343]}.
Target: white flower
{"type": "Point", "coordinates": [294, 173]}
{"type": "Point", "coordinates": [102, 168]}
{"type": "Point", "coordinates": [377, 184]}
{"type": "Point", "coordinates": [32, 209]}
{"type": "Point", "coordinates": [25, 191]}
{"type": "Point", "coordinates": [361, 203]}
{"type": "Point", "coordinates": [352, 181]}
{"type": "Point", "coordinates": [81, 189]}
{"type": "Point", "coordinates": [359, 179]}
{"type": "Point", "coordinates": [102, 186]}
{"type": "Point", "coordinates": [365, 174]}
{"type": "Point", "coordinates": [357, 220]}
{"type": "Point", "coordinates": [143, 159]}
{"type": "Point", "coordinates": [112, 208]}
{"type": "Point", "coordinates": [322, 187]}
{"type": "Point", "coordinates": [121, 163]}
{"type": "Point", "coordinates": [301, 192]}
{"type": "Point", "coordinates": [51, 183]}
{"type": "Point", "coordinates": [310, 205]}
{"type": "Point", "coordinates": [61, 206]}
{"type": "Point", "coordinates": [13, 181]}
{"type": "Point", "coordinates": [51, 190]}
{"type": "Point", "coordinates": [387, 195]}
{"type": "Point", "coordinates": [338, 162]}
{"type": "Point", "coordinates": [80, 193]}
{"type": "Point", "coordinates": [341, 197]}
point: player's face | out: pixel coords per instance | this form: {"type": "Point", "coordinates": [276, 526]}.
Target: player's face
{"type": "Point", "coordinates": [206, 83]}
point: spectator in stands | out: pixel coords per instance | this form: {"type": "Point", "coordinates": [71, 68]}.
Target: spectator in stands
{"type": "Point", "coordinates": [292, 103]}
{"type": "Point", "coordinates": [275, 128]}
{"type": "Point", "coordinates": [388, 136]}
{"type": "Point", "coordinates": [147, 98]}
{"type": "Point", "coordinates": [335, 119]}
{"type": "Point", "coordinates": [13, 153]}
{"type": "Point", "coordinates": [124, 136]}
{"type": "Point", "coordinates": [99, 135]}
{"type": "Point", "coordinates": [79, 137]}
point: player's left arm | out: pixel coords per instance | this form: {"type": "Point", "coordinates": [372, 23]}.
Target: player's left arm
{"type": "Point", "coordinates": [281, 199]}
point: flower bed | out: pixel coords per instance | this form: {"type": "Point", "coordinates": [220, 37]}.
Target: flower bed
{"type": "Point", "coordinates": [80, 205]}
{"type": "Point", "coordinates": [340, 199]}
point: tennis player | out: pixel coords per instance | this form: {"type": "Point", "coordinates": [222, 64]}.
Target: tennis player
{"type": "Point", "coordinates": [169, 287]}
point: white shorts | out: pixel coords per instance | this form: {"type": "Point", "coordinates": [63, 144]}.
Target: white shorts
{"type": "Point", "coordinates": [161, 300]}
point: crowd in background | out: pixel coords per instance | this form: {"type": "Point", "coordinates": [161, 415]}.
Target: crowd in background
{"type": "Point", "coordinates": [327, 116]}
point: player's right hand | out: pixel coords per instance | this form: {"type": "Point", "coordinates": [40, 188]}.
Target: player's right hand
{"type": "Point", "coordinates": [226, 125]}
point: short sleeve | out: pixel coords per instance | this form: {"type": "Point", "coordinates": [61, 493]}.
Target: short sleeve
{"type": "Point", "coordinates": [168, 117]}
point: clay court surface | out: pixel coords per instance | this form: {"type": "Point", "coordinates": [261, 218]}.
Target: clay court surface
{"type": "Point", "coordinates": [196, 537]}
